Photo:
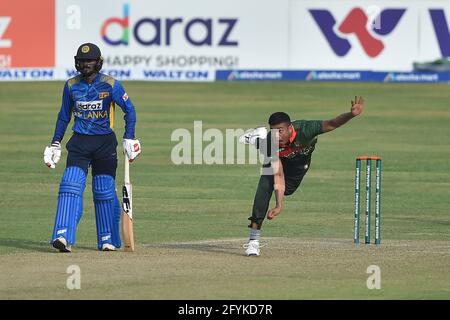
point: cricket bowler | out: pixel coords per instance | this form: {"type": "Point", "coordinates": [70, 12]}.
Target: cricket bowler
{"type": "Point", "coordinates": [296, 143]}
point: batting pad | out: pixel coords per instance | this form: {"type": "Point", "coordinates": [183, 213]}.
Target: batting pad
{"type": "Point", "coordinates": [70, 204]}
{"type": "Point", "coordinates": [107, 210]}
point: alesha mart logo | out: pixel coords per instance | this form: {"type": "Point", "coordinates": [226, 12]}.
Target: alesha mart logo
{"type": "Point", "coordinates": [356, 23]}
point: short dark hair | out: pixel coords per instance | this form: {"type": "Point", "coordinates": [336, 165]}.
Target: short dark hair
{"type": "Point", "coordinates": [279, 117]}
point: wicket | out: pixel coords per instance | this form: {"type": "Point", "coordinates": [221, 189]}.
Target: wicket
{"type": "Point", "coordinates": [368, 199]}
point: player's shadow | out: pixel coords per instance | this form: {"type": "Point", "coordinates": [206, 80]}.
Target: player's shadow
{"type": "Point", "coordinates": [39, 246]}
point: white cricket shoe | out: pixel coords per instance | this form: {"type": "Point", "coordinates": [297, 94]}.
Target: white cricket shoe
{"type": "Point", "coordinates": [61, 244]}
{"type": "Point", "coordinates": [252, 248]}
{"type": "Point", "coordinates": [250, 136]}
{"type": "Point", "coordinates": [108, 247]}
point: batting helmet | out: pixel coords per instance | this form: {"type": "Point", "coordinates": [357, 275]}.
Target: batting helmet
{"type": "Point", "coordinates": [88, 51]}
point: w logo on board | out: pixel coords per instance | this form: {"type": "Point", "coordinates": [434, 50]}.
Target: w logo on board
{"type": "Point", "coordinates": [356, 23]}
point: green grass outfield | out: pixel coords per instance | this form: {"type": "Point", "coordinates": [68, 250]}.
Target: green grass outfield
{"type": "Point", "coordinates": [191, 220]}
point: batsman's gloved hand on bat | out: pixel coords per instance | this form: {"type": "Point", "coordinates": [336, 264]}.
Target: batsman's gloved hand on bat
{"type": "Point", "coordinates": [250, 136]}
{"type": "Point", "coordinates": [52, 154]}
{"type": "Point", "coordinates": [132, 148]}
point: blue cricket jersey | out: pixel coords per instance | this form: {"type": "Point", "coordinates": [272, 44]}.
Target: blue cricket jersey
{"type": "Point", "coordinates": [92, 106]}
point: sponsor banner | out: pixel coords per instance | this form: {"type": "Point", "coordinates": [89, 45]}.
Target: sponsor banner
{"type": "Point", "coordinates": [330, 75]}
{"type": "Point", "coordinates": [176, 34]}
{"type": "Point", "coordinates": [368, 35]}
{"type": "Point", "coordinates": [27, 34]}
{"type": "Point", "coordinates": [422, 77]}
{"type": "Point", "coordinates": [292, 75]}
{"type": "Point", "coordinates": [119, 73]}
{"type": "Point", "coordinates": [228, 35]}
{"type": "Point", "coordinates": [29, 74]}
{"type": "Point", "coordinates": [260, 75]}
{"type": "Point", "coordinates": [434, 31]}
{"type": "Point", "coordinates": [178, 75]}
{"type": "Point", "coordinates": [178, 40]}
{"type": "Point", "coordinates": [354, 35]}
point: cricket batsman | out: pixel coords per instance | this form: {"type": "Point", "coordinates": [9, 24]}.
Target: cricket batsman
{"type": "Point", "coordinates": [296, 143]}
{"type": "Point", "coordinates": [91, 97]}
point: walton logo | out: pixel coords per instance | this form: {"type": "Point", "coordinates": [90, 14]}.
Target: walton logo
{"type": "Point", "coordinates": [356, 23]}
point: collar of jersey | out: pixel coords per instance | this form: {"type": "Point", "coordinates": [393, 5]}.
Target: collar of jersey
{"type": "Point", "coordinates": [96, 79]}
{"type": "Point", "coordinates": [294, 134]}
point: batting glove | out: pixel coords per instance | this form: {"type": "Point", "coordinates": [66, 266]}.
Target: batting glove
{"type": "Point", "coordinates": [132, 148]}
{"type": "Point", "coordinates": [52, 154]}
{"type": "Point", "coordinates": [250, 136]}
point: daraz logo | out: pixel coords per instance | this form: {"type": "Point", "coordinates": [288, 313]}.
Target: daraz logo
{"type": "Point", "coordinates": [162, 30]}
{"type": "Point", "coordinates": [356, 23]}
{"type": "Point", "coordinates": [123, 22]}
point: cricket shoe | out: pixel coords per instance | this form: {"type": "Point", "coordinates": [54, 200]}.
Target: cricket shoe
{"type": "Point", "coordinates": [61, 244]}
{"type": "Point", "coordinates": [251, 136]}
{"type": "Point", "coordinates": [108, 247]}
{"type": "Point", "coordinates": [252, 248]}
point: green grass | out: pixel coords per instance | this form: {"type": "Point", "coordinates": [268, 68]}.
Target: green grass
{"type": "Point", "coordinates": [190, 220]}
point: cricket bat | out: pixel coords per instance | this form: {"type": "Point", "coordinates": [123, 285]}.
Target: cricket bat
{"type": "Point", "coordinates": [127, 206]}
